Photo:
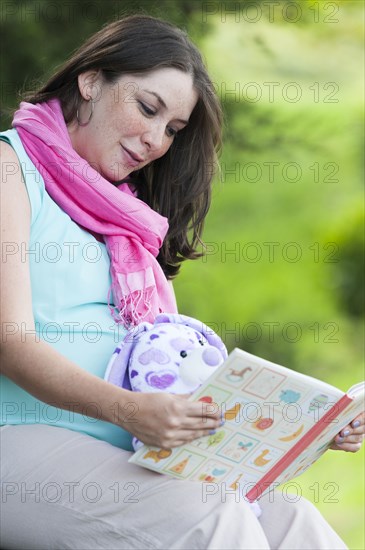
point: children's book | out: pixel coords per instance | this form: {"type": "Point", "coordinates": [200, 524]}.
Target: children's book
{"type": "Point", "coordinates": [277, 423]}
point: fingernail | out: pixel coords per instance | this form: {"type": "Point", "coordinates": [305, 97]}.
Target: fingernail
{"type": "Point", "coordinates": [222, 423]}
{"type": "Point", "coordinates": [346, 433]}
{"type": "Point", "coordinates": [339, 439]}
{"type": "Point", "coordinates": [212, 432]}
{"type": "Point", "coordinates": [356, 424]}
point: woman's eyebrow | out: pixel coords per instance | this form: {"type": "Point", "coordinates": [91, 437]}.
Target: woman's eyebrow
{"type": "Point", "coordinates": [163, 104]}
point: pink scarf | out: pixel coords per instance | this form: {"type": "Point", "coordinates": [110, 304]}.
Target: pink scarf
{"type": "Point", "coordinates": [133, 232]}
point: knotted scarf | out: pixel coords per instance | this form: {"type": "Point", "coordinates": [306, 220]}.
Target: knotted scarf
{"type": "Point", "coordinates": [132, 231]}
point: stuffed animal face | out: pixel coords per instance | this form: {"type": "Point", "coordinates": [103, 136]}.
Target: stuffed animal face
{"type": "Point", "coordinates": [173, 358]}
{"type": "Point", "coordinates": [176, 354]}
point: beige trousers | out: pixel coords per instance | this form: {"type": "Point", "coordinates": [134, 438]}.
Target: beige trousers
{"type": "Point", "coordinates": [62, 489]}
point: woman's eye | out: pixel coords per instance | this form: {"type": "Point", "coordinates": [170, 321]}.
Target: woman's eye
{"type": "Point", "coordinates": [171, 132]}
{"type": "Point", "coordinates": [146, 109]}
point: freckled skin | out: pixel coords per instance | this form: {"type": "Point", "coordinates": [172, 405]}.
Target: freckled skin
{"type": "Point", "coordinates": [127, 115]}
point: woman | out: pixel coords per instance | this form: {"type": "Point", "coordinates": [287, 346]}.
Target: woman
{"type": "Point", "coordinates": [131, 114]}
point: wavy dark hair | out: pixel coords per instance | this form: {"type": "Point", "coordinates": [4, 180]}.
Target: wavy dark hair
{"type": "Point", "coordinates": [177, 185]}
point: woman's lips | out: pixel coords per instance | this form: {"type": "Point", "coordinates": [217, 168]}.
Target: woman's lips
{"type": "Point", "coordinates": [131, 158]}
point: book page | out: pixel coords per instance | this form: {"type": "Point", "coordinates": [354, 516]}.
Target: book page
{"type": "Point", "coordinates": [323, 441]}
{"type": "Point", "coordinates": [267, 409]}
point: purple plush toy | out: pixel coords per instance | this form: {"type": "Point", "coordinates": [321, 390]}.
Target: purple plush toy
{"type": "Point", "coordinates": [175, 354]}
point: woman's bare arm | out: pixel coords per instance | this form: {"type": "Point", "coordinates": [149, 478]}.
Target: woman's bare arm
{"type": "Point", "coordinates": [158, 419]}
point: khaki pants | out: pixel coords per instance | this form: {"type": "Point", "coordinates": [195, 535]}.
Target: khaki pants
{"type": "Point", "coordinates": [62, 489]}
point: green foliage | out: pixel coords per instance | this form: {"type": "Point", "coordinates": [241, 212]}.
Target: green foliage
{"type": "Point", "coordinates": [41, 34]}
{"type": "Point", "coordinates": [349, 272]}
{"type": "Point", "coordinates": [305, 313]}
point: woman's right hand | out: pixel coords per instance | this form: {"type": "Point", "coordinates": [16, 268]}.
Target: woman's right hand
{"type": "Point", "coordinates": [165, 420]}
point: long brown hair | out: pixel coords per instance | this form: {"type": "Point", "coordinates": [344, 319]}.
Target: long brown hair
{"type": "Point", "coordinates": [177, 185]}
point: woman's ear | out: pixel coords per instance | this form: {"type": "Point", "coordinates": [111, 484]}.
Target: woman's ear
{"type": "Point", "coordinates": [90, 85]}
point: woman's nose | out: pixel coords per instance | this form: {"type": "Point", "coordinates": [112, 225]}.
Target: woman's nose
{"type": "Point", "coordinates": [154, 137]}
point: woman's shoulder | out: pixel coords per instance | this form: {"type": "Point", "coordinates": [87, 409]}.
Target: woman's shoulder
{"type": "Point", "coordinates": [18, 170]}
{"type": "Point", "coordinates": [11, 173]}
{"type": "Point", "coordinates": [8, 158]}
{"type": "Point", "coordinates": [14, 197]}
{"type": "Point", "coordinates": [10, 141]}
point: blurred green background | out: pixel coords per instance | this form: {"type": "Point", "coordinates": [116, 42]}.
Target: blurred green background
{"type": "Point", "coordinates": [283, 273]}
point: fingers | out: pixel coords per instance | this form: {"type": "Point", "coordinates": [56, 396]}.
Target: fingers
{"type": "Point", "coordinates": [184, 395]}
{"type": "Point", "coordinates": [357, 427]}
{"type": "Point", "coordinates": [351, 436]}
{"type": "Point", "coordinates": [203, 410]}
{"type": "Point", "coordinates": [186, 436]}
{"type": "Point", "coordinates": [348, 447]}
{"type": "Point", "coordinates": [197, 421]}
{"type": "Point", "coordinates": [193, 415]}
{"type": "Point", "coordinates": [202, 425]}
{"type": "Point", "coordinates": [359, 418]}
{"type": "Point", "coordinates": [169, 441]}
{"type": "Point", "coordinates": [358, 423]}
{"type": "Point", "coordinates": [167, 420]}
{"type": "Point", "coordinates": [193, 427]}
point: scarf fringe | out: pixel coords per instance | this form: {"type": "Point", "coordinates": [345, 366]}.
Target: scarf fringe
{"type": "Point", "coordinates": [133, 307]}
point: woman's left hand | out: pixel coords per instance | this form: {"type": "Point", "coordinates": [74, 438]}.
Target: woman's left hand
{"type": "Point", "coordinates": [351, 437]}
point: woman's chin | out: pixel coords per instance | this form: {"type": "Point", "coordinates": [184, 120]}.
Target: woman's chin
{"type": "Point", "coordinates": [116, 173]}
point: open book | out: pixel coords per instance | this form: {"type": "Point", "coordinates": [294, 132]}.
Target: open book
{"type": "Point", "coordinates": [277, 423]}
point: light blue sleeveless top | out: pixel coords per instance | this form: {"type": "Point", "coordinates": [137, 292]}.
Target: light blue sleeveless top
{"type": "Point", "coordinates": [70, 280]}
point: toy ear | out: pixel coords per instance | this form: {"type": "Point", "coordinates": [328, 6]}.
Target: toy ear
{"type": "Point", "coordinates": [211, 336]}
{"type": "Point", "coordinates": [170, 318]}
{"type": "Point", "coordinates": [117, 369]}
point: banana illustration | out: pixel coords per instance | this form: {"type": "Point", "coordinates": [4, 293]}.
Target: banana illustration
{"type": "Point", "coordinates": [261, 460]}
{"type": "Point", "coordinates": [293, 435]}
{"type": "Point", "coordinates": [232, 412]}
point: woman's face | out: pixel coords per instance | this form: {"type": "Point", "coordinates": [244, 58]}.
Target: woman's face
{"type": "Point", "coordinates": [134, 120]}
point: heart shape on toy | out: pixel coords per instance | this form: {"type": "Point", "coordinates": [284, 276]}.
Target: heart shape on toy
{"type": "Point", "coordinates": [162, 380]}
{"type": "Point", "coordinates": [153, 354]}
